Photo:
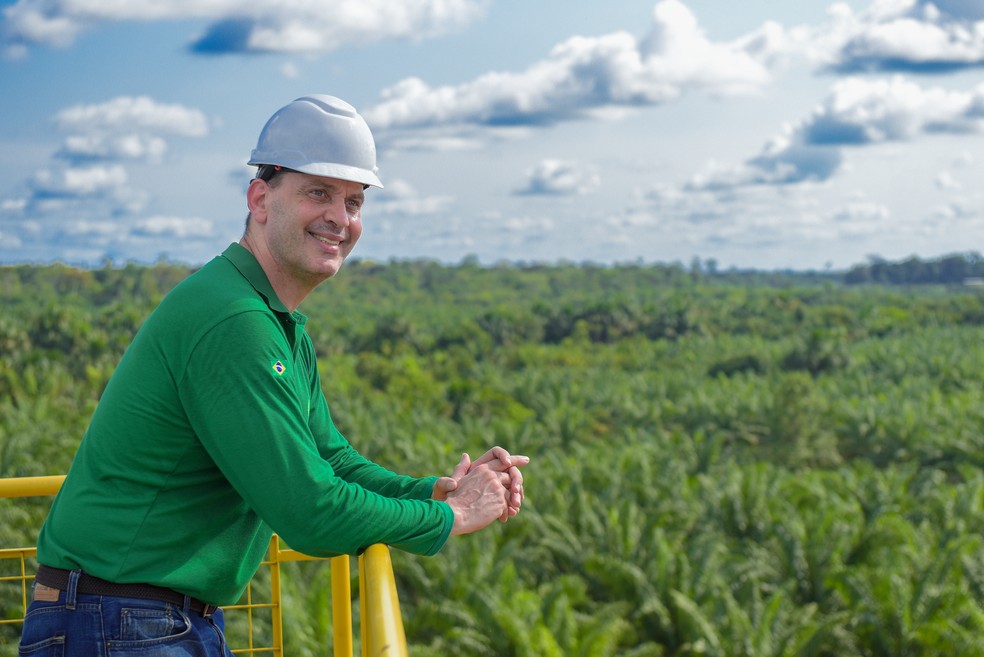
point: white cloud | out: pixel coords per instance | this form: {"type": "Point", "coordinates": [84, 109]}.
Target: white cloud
{"type": "Point", "coordinates": [677, 51]}
{"type": "Point", "coordinates": [858, 218]}
{"type": "Point", "coordinates": [869, 111]}
{"type": "Point", "coordinates": [912, 41]}
{"type": "Point", "coordinates": [432, 140]}
{"type": "Point", "coordinates": [174, 227]}
{"type": "Point", "coordinates": [102, 231]}
{"type": "Point", "coordinates": [126, 128]}
{"type": "Point", "coordinates": [963, 160]}
{"type": "Point", "coordinates": [857, 112]}
{"type": "Point", "coordinates": [527, 226]}
{"type": "Point", "coordinates": [581, 77]}
{"type": "Point", "coordinates": [112, 147]}
{"type": "Point", "coordinates": [400, 198]}
{"type": "Point", "coordinates": [78, 182]}
{"type": "Point", "coordinates": [959, 213]}
{"type": "Point", "coordinates": [309, 28]}
{"type": "Point", "coordinates": [928, 36]}
{"type": "Point", "coordinates": [91, 184]}
{"type": "Point", "coordinates": [13, 205]}
{"type": "Point", "coordinates": [28, 21]}
{"type": "Point", "coordinates": [906, 35]}
{"type": "Point", "coordinates": [792, 225]}
{"type": "Point", "coordinates": [262, 25]}
{"type": "Point", "coordinates": [134, 114]}
{"type": "Point", "coordinates": [946, 181]}
{"type": "Point", "coordinates": [561, 178]}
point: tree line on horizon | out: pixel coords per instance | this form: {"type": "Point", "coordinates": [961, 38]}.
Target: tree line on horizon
{"type": "Point", "coordinates": [953, 269]}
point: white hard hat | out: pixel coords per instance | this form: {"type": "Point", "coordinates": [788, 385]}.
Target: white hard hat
{"type": "Point", "coordinates": [320, 135]}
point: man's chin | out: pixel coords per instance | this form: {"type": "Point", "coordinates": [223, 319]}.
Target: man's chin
{"type": "Point", "coordinates": [329, 267]}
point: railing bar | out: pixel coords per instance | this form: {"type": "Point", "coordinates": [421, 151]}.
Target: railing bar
{"type": "Point", "coordinates": [10, 553]}
{"type": "Point", "coordinates": [276, 613]}
{"type": "Point", "coordinates": [30, 486]}
{"type": "Point", "coordinates": [341, 605]}
{"type": "Point", "coordinates": [249, 613]}
{"type": "Point", "coordinates": [364, 625]}
{"type": "Point", "coordinates": [23, 566]}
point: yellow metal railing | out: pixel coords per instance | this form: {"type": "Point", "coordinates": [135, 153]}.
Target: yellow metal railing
{"type": "Point", "coordinates": [379, 606]}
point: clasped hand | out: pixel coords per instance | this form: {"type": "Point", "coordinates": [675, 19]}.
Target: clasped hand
{"type": "Point", "coordinates": [481, 491]}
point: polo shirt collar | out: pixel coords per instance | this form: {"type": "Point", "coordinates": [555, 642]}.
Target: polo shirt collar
{"type": "Point", "coordinates": [250, 268]}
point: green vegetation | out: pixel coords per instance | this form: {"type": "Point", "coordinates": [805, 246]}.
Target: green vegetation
{"type": "Point", "coordinates": [738, 465]}
{"type": "Point", "coordinates": [949, 270]}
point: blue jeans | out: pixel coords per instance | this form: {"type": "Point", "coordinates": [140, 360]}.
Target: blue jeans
{"type": "Point", "coordinates": [83, 625]}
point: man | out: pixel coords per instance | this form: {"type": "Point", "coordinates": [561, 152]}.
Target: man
{"type": "Point", "coordinates": [214, 431]}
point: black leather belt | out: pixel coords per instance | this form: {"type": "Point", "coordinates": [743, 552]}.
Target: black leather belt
{"type": "Point", "coordinates": [57, 578]}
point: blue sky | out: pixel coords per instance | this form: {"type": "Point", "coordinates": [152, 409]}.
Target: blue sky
{"type": "Point", "coordinates": [759, 134]}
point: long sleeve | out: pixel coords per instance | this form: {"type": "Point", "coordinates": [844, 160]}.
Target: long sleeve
{"type": "Point", "coordinates": [255, 422]}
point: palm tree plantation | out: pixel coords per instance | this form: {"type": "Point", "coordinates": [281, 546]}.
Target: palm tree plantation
{"type": "Point", "coordinates": [731, 464]}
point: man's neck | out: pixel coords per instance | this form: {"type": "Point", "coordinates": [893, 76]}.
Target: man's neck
{"type": "Point", "coordinates": [290, 291]}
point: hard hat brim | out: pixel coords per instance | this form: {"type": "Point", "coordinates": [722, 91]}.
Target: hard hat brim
{"type": "Point", "coordinates": [324, 169]}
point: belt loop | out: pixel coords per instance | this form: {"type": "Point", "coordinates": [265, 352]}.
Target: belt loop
{"type": "Point", "coordinates": [186, 605]}
{"type": "Point", "coordinates": [73, 585]}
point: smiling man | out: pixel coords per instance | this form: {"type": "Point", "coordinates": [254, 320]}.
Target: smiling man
{"type": "Point", "coordinates": [214, 431]}
{"type": "Point", "coordinates": [301, 229]}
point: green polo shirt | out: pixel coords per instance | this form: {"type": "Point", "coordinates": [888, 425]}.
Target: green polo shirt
{"type": "Point", "coordinates": [212, 433]}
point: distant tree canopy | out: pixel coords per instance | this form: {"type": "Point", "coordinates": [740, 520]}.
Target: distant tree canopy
{"type": "Point", "coordinates": [956, 269]}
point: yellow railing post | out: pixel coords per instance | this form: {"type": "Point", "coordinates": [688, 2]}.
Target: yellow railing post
{"type": "Point", "coordinates": [276, 612]}
{"type": "Point", "coordinates": [341, 606]}
{"type": "Point", "coordinates": [382, 625]}
{"type": "Point", "coordinates": [363, 608]}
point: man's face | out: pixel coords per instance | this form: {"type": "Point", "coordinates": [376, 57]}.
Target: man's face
{"type": "Point", "coordinates": [312, 224]}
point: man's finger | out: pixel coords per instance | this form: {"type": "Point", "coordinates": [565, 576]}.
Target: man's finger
{"type": "Point", "coordinates": [461, 469]}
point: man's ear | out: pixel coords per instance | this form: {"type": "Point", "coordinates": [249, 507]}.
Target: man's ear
{"type": "Point", "coordinates": [257, 196]}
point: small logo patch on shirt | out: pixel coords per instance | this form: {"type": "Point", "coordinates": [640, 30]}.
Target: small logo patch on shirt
{"type": "Point", "coordinates": [278, 367]}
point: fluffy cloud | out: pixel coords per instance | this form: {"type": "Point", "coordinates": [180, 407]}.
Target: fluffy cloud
{"type": "Point", "coordinates": [78, 182]}
{"type": "Point", "coordinates": [946, 181]}
{"type": "Point", "coordinates": [588, 77]}
{"type": "Point", "coordinates": [89, 180]}
{"type": "Point", "coordinates": [860, 218]}
{"type": "Point", "coordinates": [793, 225]}
{"type": "Point", "coordinates": [581, 77]}
{"type": "Point", "coordinates": [127, 113]}
{"type": "Point", "coordinates": [173, 227]}
{"type": "Point", "coordinates": [112, 147]}
{"type": "Point", "coordinates": [126, 128]}
{"type": "Point", "coordinates": [400, 198]}
{"type": "Point", "coordinates": [927, 36]}
{"type": "Point", "coordinates": [101, 138]}
{"type": "Point", "coordinates": [561, 178]}
{"type": "Point", "coordinates": [259, 26]}
{"type": "Point", "coordinates": [857, 112]}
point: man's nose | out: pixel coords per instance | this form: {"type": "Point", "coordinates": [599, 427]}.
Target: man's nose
{"type": "Point", "coordinates": [337, 214]}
